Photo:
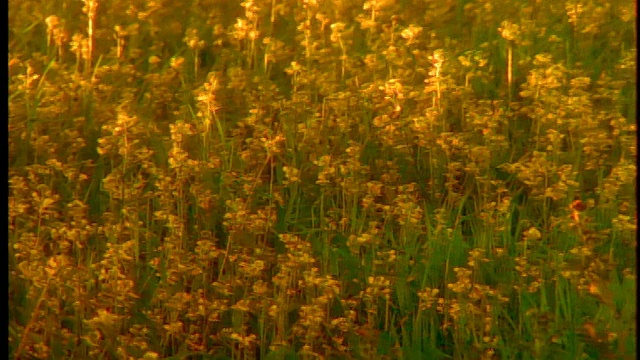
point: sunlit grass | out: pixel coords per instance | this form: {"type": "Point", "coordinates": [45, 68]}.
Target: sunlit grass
{"type": "Point", "coordinates": [322, 179]}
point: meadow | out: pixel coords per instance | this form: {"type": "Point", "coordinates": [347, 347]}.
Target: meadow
{"type": "Point", "coordinates": [322, 179]}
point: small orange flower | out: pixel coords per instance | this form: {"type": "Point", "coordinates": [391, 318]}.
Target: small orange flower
{"type": "Point", "coordinates": [578, 205]}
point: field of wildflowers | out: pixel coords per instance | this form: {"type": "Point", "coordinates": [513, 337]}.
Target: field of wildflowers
{"type": "Point", "coordinates": [322, 179]}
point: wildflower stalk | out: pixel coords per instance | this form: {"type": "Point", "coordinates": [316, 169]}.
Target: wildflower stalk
{"type": "Point", "coordinates": [34, 315]}
{"type": "Point", "coordinates": [244, 207]}
{"type": "Point", "coordinates": [90, 8]}
{"type": "Point", "coordinates": [509, 70]}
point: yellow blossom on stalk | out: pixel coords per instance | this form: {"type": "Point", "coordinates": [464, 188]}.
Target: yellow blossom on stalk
{"type": "Point", "coordinates": [177, 62]}
{"type": "Point", "coordinates": [509, 31]}
{"type": "Point", "coordinates": [533, 234]}
{"type": "Point", "coordinates": [428, 297]}
{"type": "Point", "coordinates": [292, 174]}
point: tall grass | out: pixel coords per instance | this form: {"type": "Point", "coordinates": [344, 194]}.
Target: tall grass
{"type": "Point", "coordinates": [283, 179]}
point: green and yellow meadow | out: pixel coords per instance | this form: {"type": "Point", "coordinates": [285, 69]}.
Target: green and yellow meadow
{"type": "Point", "coordinates": [322, 179]}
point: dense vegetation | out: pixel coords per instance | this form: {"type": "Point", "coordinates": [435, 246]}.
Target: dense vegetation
{"type": "Point", "coordinates": [322, 179]}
